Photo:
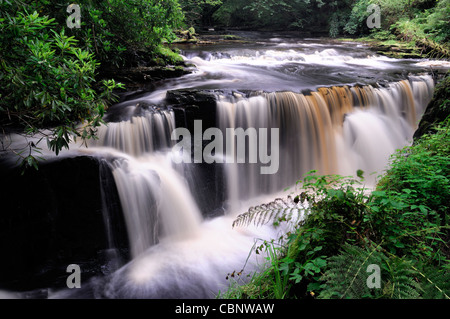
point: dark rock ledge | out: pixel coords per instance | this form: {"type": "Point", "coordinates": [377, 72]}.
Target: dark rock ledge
{"type": "Point", "coordinates": [53, 217]}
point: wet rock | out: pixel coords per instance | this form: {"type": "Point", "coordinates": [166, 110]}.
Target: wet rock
{"type": "Point", "coordinates": [144, 77]}
{"type": "Point", "coordinates": [437, 110]}
{"type": "Point", "coordinates": [190, 105]}
{"type": "Point", "coordinates": [206, 180]}
{"type": "Point", "coordinates": [53, 217]}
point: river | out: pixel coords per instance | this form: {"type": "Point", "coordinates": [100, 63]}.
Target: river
{"type": "Point", "coordinates": [302, 104]}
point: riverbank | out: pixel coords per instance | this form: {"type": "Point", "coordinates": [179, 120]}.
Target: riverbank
{"type": "Point", "coordinates": [391, 243]}
{"type": "Point", "coordinates": [147, 72]}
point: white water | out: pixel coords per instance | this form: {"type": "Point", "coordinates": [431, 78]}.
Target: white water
{"type": "Point", "coordinates": [314, 135]}
{"type": "Point", "coordinates": [156, 202]}
{"type": "Point", "coordinates": [292, 65]}
{"type": "Point", "coordinates": [194, 267]}
{"type": "Point", "coordinates": [144, 134]}
{"type": "Point", "coordinates": [178, 253]}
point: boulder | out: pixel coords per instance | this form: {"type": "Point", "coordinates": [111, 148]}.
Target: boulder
{"type": "Point", "coordinates": [206, 180]}
{"type": "Point", "coordinates": [55, 216]}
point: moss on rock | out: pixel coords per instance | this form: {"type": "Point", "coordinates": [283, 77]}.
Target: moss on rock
{"type": "Point", "coordinates": [437, 110]}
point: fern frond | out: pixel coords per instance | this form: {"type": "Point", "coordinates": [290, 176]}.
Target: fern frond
{"type": "Point", "coordinates": [357, 251]}
{"type": "Point", "coordinates": [403, 278]}
{"type": "Point", "coordinates": [347, 276]}
{"type": "Point", "coordinates": [436, 283]}
{"type": "Point", "coordinates": [279, 209]}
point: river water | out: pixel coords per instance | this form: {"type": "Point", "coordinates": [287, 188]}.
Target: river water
{"type": "Point", "coordinates": [304, 103]}
{"type": "Point", "coordinates": [275, 62]}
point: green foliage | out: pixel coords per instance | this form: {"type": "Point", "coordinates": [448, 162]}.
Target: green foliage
{"type": "Point", "coordinates": [429, 28]}
{"type": "Point", "coordinates": [199, 12]}
{"type": "Point", "coordinates": [357, 20]}
{"type": "Point", "coordinates": [278, 210]}
{"type": "Point", "coordinates": [279, 13]}
{"type": "Point", "coordinates": [297, 263]}
{"type": "Point", "coordinates": [349, 272]}
{"type": "Point", "coordinates": [47, 81]}
{"type": "Point", "coordinates": [116, 30]}
{"type": "Point", "coordinates": [234, 12]}
{"type": "Point", "coordinates": [281, 272]}
{"type": "Point", "coordinates": [336, 207]}
{"type": "Point", "coordinates": [391, 12]}
{"type": "Point", "coordinates": [423, 167]}
{"type": "Point", "coordinates": [411, 204]}
{"type": "Point", "coordinates": [334, 25]}
{"type": "Point", "coordinates": [409, 19]}
{"type": "Point", "coordinates": [435, 283]}
{"type": "Point", "coordinates": [348, 276]}
{"type": "Point", "coordinates": [49, 74]}
{"type": "Point", "coordinates": [426, 18]}
{"type": "Point", "coordinates": [167, 55]}
{"type": "Point", "coordinates": [401, 227]}
{"type": "Point", "coordinates": [305, 15]}
{"type": "Point", "coordinates": [438, 22]}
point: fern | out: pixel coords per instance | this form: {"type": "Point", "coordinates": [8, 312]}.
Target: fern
{"type": "Point", "coordinates": [336, 224]}
{"type": "Point", "coordinates": [435, 283]}
{"type": "Point", "coordinates": [347, 276]}
{"type": "Point", "coordinates": [402, 282]}
{"type": "Point", "coordinates": [279, 209]}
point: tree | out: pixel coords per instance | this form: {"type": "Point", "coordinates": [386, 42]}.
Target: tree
{"type": "Point", "coordinates": [305, 15]}
{"type": "Point", "coordinates": [199, 12]}
{"type": "Point", "coordinates": [47, 83]}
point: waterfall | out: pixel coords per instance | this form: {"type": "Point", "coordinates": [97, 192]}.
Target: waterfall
{"type": "Point", "coordinates": [334, 130]}
{"type": "Point", "coordinates": [109, 212]}
{"type": "Point", "coordinates": [155, 199]}
{"type": "Point", "coordinates": [255, 119]}
{"type": "Point", "coordinates": [176, 253]}
{"type": "Point", "coordinates": [140, 134]}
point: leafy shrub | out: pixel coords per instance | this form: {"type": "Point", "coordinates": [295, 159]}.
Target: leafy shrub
{"type": "Point", "coordinates": [416, 189]}
{"type": "Point", "coordinates": [402, 226]}
{"type": "Point", "coordinates": [347, 275]}
{"type": "Point", "coordinates": [357, 20]}
{"type": "Point", "coordinates": [297, 261]}
{"type": "Point", "coordinates": [115, 30]}
{"type": "Point", "coordinates": [198, 12]}
{"type": "Point", "coordinates": [48, 74]}
{"type": "Point", "coordinates": [47, 82]}
{"type": "Point", "coordinates": [432, 24]}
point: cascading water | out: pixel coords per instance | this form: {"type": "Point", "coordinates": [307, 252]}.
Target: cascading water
{"type": "Point", "coordinates": [155, 200]}
{"type": "Point", "coordinates": [140, 134]}
{"type": "Point", "coordinates": [336, 128]}
{"type": "Point", "coordinates": [176, 253]}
